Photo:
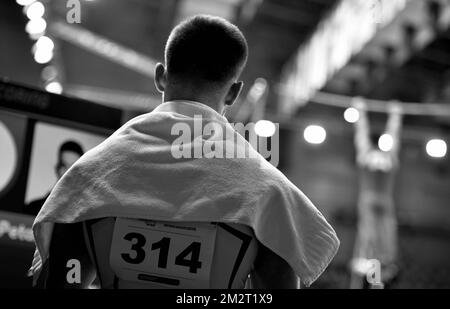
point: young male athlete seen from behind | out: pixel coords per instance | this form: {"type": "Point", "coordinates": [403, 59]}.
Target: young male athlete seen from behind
{"type": "Point", "coordinates": [136, 217]}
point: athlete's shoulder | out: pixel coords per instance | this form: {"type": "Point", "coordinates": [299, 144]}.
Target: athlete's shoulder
{"type": "Point", "coordinates": [273, 175]}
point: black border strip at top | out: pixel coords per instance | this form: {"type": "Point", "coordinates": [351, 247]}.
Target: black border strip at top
{"type": "Point", "coordinates": [58, 109]}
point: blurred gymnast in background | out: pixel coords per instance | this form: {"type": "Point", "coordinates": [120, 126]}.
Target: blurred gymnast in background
{"type": "Point", "coordinates": [377, 225]}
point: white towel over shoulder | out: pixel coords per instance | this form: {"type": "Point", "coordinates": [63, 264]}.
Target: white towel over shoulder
{"type": "Point", "coordinates": [133, 174]}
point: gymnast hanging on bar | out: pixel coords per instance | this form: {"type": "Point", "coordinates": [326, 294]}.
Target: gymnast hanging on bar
{"type": "Point", "coordinates": [377, 225]}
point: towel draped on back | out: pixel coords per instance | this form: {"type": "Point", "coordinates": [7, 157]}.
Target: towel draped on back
{"type": "Point", "coordinates": [134, 174]}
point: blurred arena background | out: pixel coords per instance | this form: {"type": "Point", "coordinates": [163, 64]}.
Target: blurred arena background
{"type": "Point", "coordinates": [69, 75]}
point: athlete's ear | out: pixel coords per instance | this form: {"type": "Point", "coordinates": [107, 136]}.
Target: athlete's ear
{"type": "Point", "coordinates": [160, 77]}
{"type": "Point", "coordinates": [58, 168]}
{"type": "Point", "coordinates": [233, 93]}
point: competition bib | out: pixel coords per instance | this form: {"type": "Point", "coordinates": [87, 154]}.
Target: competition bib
{"type": "Point", "coordinates": [171, 254]}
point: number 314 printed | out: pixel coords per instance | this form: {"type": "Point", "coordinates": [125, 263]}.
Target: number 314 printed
{"type": "Point", "coordinates": [163, 246]}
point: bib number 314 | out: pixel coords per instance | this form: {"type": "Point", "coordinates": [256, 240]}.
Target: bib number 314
{"type": "Point", "coordinates": [163, 245]}
{"type": "Point", "coordinates": [176, 254]}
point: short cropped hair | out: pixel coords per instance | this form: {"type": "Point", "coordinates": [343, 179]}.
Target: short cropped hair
{"type": "Point", "coordinates": [70, 146]}
{"type": "Point", "coordinates": [206, 48]}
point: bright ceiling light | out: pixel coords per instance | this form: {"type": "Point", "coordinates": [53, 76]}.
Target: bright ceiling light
{"type": "Point", "coordinates": [315, 134]}
{"type": "Point", "coordinates": [24, 2]}
{"type": "Point", "coordinates": [436, 148]}
{"type": "Point", "coordinates": [45, 43]}
{"type": "Point", "coordinates": [265, 128]}
{"type": "Point", "coordinates": [42, 56]}
{"type": "Point", "coordinates": [35, 10]}
{"type": "Point", "coordinates": [385, 142]}
{"type": "Point", "coordinates": [36, 26]}
{"type": "Point", "coordinates": [351, 115]}
{"type": "Point", "coordinates": [54, 87]}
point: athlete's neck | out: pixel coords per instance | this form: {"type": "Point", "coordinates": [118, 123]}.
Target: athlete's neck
{"type": "Point", "coordinates": [211, 98]}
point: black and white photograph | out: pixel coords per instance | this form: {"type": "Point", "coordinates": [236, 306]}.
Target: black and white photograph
{"type": "Point", "coordinates": [201, 146]}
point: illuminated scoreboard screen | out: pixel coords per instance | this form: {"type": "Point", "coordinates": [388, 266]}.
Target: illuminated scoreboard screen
{"type": "Point", "coordinates": [41, 136]}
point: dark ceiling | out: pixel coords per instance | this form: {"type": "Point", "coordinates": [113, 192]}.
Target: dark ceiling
{"type": "Point", "coordinates": [274, 32]}
{"type": "Point", "coordinates": [277, 30]}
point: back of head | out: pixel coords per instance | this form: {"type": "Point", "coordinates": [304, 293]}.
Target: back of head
{"type": "Point", "coordinates": [70, 146]}
{"type": "Point", "coordinates": [205, 49]}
